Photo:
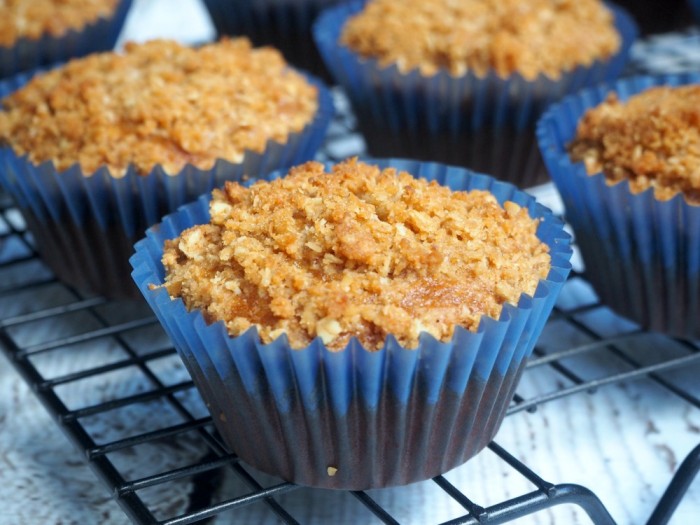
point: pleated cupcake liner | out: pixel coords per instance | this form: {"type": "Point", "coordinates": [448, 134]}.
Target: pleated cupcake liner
{"type": "Point", "coordinates": [485, 123]}
{"type": "Point", "coordinates": [85, 224]}
{"type": "Point", "coordinates": [642, 255]}
{"type": "Point", "coordinates": [28, 54]}
{"type": "Point", "coordinates": [285, 25]}
{"type": "Point", "coordinates": [358, 419]}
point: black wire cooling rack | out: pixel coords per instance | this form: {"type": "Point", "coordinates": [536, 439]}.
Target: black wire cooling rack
{"type": "Point", "coordinates": [121, 344]}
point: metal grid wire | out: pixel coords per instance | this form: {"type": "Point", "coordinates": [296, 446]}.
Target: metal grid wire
{"type": "Point", "coordinates": [132, 345]}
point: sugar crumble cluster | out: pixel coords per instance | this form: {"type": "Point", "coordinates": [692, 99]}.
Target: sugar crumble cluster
{"type": "Point", "coordinates": [358, 252]}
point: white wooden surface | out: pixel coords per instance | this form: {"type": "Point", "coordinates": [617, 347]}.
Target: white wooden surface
{"type": "Point", "coordinates": [623, 442]}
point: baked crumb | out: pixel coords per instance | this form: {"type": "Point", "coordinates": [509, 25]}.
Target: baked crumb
{"type": "Point", "coordinates": [506, 36]}
{"type": "Point", "coordinates": [158, 103]}
{"type": "Point", "coordinates": [34, 18]}
{"type": "Point", "coordinates": [356, 252]}
{"type": "Point", "coordinates": [653, 140]}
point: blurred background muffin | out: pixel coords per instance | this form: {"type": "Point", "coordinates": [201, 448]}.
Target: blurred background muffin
{"type": "Point", "coordinates": [284, 24]}
{"type": "Point", "coordinates": [464, 82]}
{"type": "Point", "coordinates": [626, 160]}
{"type": "Point", "coordinates": [100, 148]}
{"type": "Point", "coordinates": [356, 326]}
{"type": "Point", "coordinates": [36, 33]}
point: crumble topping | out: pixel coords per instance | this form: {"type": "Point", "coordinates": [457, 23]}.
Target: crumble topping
{"type": "Point", "coordinates": [356, 252]}
{"type": "Point", "coordinates": [653, 140]}
{"type": "Point", "coordinates": [34, 18]}
{"type": "Point", "coordinates": [158, 103]}
{"type": "Point", "coordinates": [506, 36]}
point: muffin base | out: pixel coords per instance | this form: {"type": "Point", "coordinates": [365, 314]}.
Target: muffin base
{"type": "Point", "coordinates": [507, 154]}
{"type": "Point", "coordinates": [86, 256]}
{"type": "Point", "coordinates": [285, 25]}
{"type": "Point", "coordinates": [652, 295]}
{"type": "Point", "coordinates": [398, 443]}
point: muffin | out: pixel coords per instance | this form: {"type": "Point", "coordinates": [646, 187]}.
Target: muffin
{"type": "Point", "coordinates": [626, 159]}
{"type": "Point", "coordinates": [342, 321]}
{"type": "Point", "coordinates": [464, 82]}
{"type": "Point", "coordinates": [35, 33]}
{"type": "Point", "coordinates": [284, 24]}
{"type": "Point", "coordinates": [97, 150]}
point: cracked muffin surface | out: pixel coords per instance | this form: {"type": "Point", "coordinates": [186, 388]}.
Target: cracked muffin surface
{"type": "Point", "coordinates": [360, 251]}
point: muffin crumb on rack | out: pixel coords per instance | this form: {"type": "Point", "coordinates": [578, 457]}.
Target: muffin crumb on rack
{"type": "Point", "coordinates": [356, 252]}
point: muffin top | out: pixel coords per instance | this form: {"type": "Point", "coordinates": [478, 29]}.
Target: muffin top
{"type": "Point", "coordinates": [653, 140]}
{"type": "Point", "coordinates": [158, 103]}
{"type": "Point", "coordinates": [506, 36]}
{"type": "Point", "coordinates": [34, 18]}
{"type": "Point", "coordinates": [358, 251]}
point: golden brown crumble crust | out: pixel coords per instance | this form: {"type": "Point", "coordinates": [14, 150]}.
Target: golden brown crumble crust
{"type": "Point", "coordinates": [505, 36]}
{"type": "Point", "coordinates": [653, 140]}
{"type": "Point", "coordinates": [34, 18]}
{"type": "Point", "coordinates": [356, 252]}
{"type": "Point", "coordinates": [158, 103]}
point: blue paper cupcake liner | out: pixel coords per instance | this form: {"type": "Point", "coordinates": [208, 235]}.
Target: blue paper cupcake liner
{"type": "Point", "coordinates": [357, 419]}
{"type": "Point", "coordinates": [642, 255]}
{"type": "Point", "coordinates": [29, 54]}
{"type": "Point", "coordinates": [85, 225]}
{"type": "Point", "coordinates": [285, 25]}
{"type": "Point", "coordinates": [485, 123]}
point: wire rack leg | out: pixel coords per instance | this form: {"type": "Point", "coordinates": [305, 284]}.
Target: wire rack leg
{"type": "Point", "coordinates": [588, 501]}
{"type": "Point", "coordinates": [677, 488]}
{"type": "Point", "coordinates": [565, 493]}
